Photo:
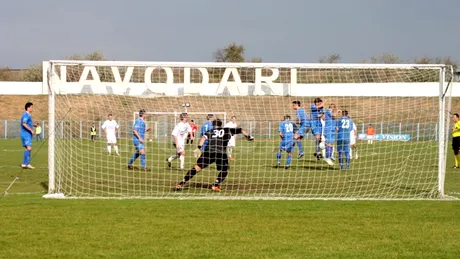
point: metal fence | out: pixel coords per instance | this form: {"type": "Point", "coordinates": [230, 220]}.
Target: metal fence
{"type": "Point", "coordinates": [162, 127]}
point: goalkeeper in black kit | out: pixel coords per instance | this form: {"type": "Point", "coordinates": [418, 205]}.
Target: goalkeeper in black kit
{"type": "Point", "coordinates": [215, 152]}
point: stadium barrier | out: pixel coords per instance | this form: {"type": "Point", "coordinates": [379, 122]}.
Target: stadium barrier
{"type": "Point", "coordinates": [9, 129]}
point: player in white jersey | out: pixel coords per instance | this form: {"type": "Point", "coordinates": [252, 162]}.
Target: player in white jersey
{"type": "Point", "coordinates": [353, 137]}
{"type": "Point", "coordinates": [110, 128]}
{"type": "Point", "coordinates": [231, 143]}
{"type": "Point", "coordinates": [180, 133]}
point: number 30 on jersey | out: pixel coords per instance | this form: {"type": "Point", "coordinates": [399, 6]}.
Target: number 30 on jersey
{"type": "Point", "coordinates": [218, 133]}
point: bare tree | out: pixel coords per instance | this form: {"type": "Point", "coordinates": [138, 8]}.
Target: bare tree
{"type": "Point", "coordinates": [332, 58]}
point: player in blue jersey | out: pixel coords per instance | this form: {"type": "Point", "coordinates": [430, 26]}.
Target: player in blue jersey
{"type": "Point", "coordinates": [286, 130]}
{"type": "Point", "coordinates": [303, 121]}
{"type": "Point", "coordinates": [317, 110]}
{"type": "Point", "coordinates": [27, 133]}
{"type": "Point", "coordinates": [329, 132]}
{"type": "Point", "coordinates": [344, 128]}
{"type": "Point", "coordinates": [139, 130]}
{"type": "Point", "coordinates": [207, 126]}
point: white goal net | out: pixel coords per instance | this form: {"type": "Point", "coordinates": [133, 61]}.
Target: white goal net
{"type": "Point", "coordinates": [399, 113]}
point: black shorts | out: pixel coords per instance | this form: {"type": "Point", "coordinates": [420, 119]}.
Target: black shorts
{"type": "Point", "coordinates": [207, 158]}
{"type": "Point", "coordinates": [456, 143]}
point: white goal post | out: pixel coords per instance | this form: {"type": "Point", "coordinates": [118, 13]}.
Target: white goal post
{"type": "Point", "coordinates": [406, 105]}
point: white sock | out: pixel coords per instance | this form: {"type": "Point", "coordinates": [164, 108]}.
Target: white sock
{"type": "Point", "coordinates": [109, 148]}
{"type": "Point", "coordinates": [356, 153]}
{"type": "Point", "coordinates": [116, 149]}
{"type": "Point", "coordinates": [324, 152]}
{"type": "Point", "coordinates": [171, 158]}
{"type": "Point", "coordinates": [333, 150]}
{"type": "Point", "coordinates": [181, 158]}
{"type": "Point", "coordinates": [351, 153]}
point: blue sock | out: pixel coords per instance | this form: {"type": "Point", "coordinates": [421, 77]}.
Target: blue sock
{"type": "Point", "coordinates": [289, 159]}
{"type": "Point", "coordinates": [278, 157]}
{"type": "Point", "coordinates": [299, 143]}
{"type": "Point", "coordinates": [24, 160]}
{"type": "Point", "coordinates": [143, 163]}
{"type": "Point", "coordinates": [133, 158]}
{"type": "Point", "coordinates": [347, 155]}
{"type": "Point", "coordinates": [318, 150]}
{"type": "Point", "coordinates": [341, 160]}
{"type": "Point", "coordinates": [29, 157]}
{"type": "Point", "coordinates": [328, 151]}
{"type": "Point", "coordinates": [204, 145]}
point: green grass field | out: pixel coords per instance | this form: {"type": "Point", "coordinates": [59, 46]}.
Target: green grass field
{"type": "Point", "coordinates": [35, 227]}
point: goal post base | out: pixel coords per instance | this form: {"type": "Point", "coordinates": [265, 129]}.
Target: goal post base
{"type": "Point", "coordinates": [54, 196]}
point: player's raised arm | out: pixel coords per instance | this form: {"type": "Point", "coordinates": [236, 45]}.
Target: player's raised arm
{"type": "Point", "coordinates": [236, 131]}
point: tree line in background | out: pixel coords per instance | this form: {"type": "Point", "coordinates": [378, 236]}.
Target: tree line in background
{"type": "Point", "coordinates": [231, 53]}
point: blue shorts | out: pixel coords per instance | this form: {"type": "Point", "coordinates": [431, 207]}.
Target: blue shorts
{"type": "Point", "coordinates": [330, 137]}
{"type": "Point", "coordinates": [343, 145]}
{"type": "Point", "coordinates": [287, 146]}
{"type": "Point", "coordinates": [26, 141]}
{"type": "Point", "coordinates": [302, 130]}
{"type": "Point", "coordinates": [138, 145]}
{"type": "Point", "coordinates": [317, 128]}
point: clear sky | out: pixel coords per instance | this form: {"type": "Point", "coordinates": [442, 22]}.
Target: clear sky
{"type": "Point", "coordinates": [191, 30]}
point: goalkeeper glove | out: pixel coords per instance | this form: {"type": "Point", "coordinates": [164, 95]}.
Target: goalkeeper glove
{"type": "Point", "coordinates": [197, 152]}
{"type": "Point", "coordinates": [250, 138]}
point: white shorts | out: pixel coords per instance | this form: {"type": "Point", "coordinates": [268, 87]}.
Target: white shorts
{"type": "Point", "coordinates": [352, 140]}
{"type": "Point", "coordinates": [181, 147]}
{"type": "Point", "coordinates": [111, 140]}
{"type": "Point", "coordinates": [231, 142]}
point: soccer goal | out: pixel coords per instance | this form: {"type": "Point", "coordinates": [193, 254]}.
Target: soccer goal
{"type": "Point", "coordinates": [400, 114]}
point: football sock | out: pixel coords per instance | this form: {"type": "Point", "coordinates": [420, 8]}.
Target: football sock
{"type": "Point", "coordinates": [173, 157]}
{"type": "Point", "coordinates": [109, 148]}
{"type": "Point", "coordinates": [181, 158]}
{"type": "Point", "coordinates": [278, 157]}
{"type": "Point", "coordinates": [317, 146]}
{"type": "Point", "coordinates": [328, 151]}
{"type": "Point", "coordinates": [192, 172]}
{"type": "Point", "coordinates": [116, 149]}
{"type": "Point", "coordinates": [341, 160]}
{"type": "Point", "coordinates": [289, 159]}
{"type": "Point", "coordinates": [457, 160]}
{"type": "Point", "coordinates": [133, 158]}
{"type": "Point", "coordinates": [299, 143]}
{"type": "Point", "coordinates": [221, 177]}
{"type": "Point", "coordinates": [143, 162]}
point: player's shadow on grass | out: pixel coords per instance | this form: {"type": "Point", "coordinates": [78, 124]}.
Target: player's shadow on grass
{"type": "Point", "coordinates": [44, 185]}
{"type": "Point", "coordinates": [200, 185]}
{"type": "Point", "coordinates": [305, 167]}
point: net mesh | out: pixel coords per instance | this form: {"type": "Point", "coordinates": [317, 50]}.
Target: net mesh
{"type": "Point", "coordinates": [402, 161]}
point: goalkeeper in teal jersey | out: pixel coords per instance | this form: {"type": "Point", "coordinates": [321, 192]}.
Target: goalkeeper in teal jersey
{"type": "Point", "coordinates": [286, 130]}
{"type": "Point", "coordinates": [27, 133]}
{"type": "Point", "coordinates": [344, 127]}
